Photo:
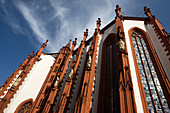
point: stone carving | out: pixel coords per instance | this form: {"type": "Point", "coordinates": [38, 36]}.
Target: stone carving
{"type": "Point", "coordinates": [55, 84]}
{"type": "Point", "coordinates": [1, 88]}
{"type": "Point", "coordinates": [71, 73]}
{"type": "Point", "coordinates": [16, 82]}
{"type": "Point", "coordinates": [89, 61]}
{"type": "Point", "coordinates": [121, 45]}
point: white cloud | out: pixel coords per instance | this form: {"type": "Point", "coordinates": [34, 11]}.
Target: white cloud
{"type": "Point", "coordinates": [70, 20]}
{"type": "Point", "coordinates": [73, 25]}
{"type": "Point", "coordinates": [59, 21]}
{"type": "Point", "coordinates": [33, 22]}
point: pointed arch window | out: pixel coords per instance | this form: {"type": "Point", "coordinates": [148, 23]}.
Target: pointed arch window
{"type": "Point", "coordinates": [109, 92]}
{"type": "Point", "coordinates": [25, 106]}
{"type": "Point", "coordinates": [154, 94]}
{"type": "Point", "coordinates": [111, 82]}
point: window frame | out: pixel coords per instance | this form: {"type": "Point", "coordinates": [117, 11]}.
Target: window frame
{"type": "Point", "coordinates": [24, 102]}
{"type": "Point", "coordinates": [156, 63]}
{"type": "Point", "coordinates": [105, 46]}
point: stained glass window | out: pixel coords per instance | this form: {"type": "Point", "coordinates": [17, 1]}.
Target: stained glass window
{"type": "Point", "coordinates": [25, 107]}
{"type": "Point", "coordinates": [155, 98]}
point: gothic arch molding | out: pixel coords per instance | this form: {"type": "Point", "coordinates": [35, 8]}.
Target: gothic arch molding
{"type": "Point", "coordinates": [28, 101]}
{"type": "Point", "coordinates": [156, 63]}
{"type": "Point", "coordinates": [109, 46]}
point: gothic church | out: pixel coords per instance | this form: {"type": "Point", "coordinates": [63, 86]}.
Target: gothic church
{"type": "Point", "coordinates": [123, 68]}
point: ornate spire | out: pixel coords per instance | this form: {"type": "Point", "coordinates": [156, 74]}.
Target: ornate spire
{"type": "Point", "coordinates": [148, 12]}
{"type": "Point", "coordinates": [45, 44]}
{"type": "Point", "coordinates": [68, 44]}
{"type": "Point", "coordinates": [74, 44]}
{"type": "Point", "coordinates": [42, 47]}
{"type": "Point", "coordinates": [118, 11]}
{"type": "Point", "coordinates": [98, 24]}
{"type": "Point", "coordinates": [26, 60]}
{"type": "Point", "coordinates": [29, 56]}
{"type": "Point", "coordinates": [85, 35]}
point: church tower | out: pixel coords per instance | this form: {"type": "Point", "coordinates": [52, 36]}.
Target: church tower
{"type": "Point", "coordinates": [121, 68]}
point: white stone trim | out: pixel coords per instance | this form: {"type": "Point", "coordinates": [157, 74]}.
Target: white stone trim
{"type": "Point", "coordinates": [111, 29]}
{"type": "Point", "coordinates": [10, 85]}
{"type": "Point", "coordinates": [32, 84]}
{"type": "Point", "coordinates": [128, 24]}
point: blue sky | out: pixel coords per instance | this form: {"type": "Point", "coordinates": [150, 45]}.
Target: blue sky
{"type": "Point", "coordinates": [26, 24]}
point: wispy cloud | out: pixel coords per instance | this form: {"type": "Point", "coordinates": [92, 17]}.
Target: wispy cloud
{"type": "Point", "coordinates": [33, 22]}
{"type": "Point", "coordinates": [39, 24]}
{"type": "Point", "coordinates": [61, 20]}
{"type": "Point", "coordinates": [77, 16]}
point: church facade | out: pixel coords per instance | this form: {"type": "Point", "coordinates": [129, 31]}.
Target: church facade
{"type": "Point", "coordinates": [122, 68]}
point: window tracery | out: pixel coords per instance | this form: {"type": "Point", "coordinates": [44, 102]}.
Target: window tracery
{"type": "Point", "coordinates": [111, 80]}
{"type": "Point", "coordinates": [24, 108]}
{"type": "Point", "coordinates": [155, 97]}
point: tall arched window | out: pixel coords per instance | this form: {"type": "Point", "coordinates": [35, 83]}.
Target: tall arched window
{"type": "Point", "coordinates": [154, 94]}
{"type": "Point", "coordinates": [25, 106]}
{"type": "Point", "coordinates": [109, 92]}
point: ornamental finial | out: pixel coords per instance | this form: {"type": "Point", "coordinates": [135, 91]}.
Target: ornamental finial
{"type": "Point", "coordinates": [118, 11]}
{"type": "Point", "coordinates": [98, 23]}
{"type": "Point", "coordinates": [148, 12]}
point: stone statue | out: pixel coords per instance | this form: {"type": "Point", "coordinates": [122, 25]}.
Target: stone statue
{"type": "Point", "coordinates": [1, 88]}
{"type": "Point", "coordinates": [121, 45]}
{"type": "Point", "coordinates": [89, 61]}
{"type": "Point", "coordinates": [71, 73]}
{"type": "Point", "coordinates": [16, 82]}
{"type": "Point", "coordinates": [55, 84]}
